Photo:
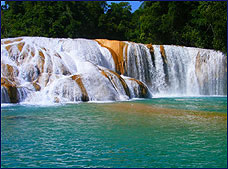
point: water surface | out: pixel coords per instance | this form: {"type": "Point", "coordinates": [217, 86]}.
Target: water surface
{"type": "Point", "coordinates": [160, 132]}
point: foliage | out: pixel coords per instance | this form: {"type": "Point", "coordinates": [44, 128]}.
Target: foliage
{"type": "Point", "coordinates": [51, 18]}
{"type": "Point", "coordinates": [196, 23]}
{"type": "Point", "coordinates": [115, 22]}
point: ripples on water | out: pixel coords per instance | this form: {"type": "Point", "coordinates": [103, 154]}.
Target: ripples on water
{"type": "Point", "coordinates": [167, 132]}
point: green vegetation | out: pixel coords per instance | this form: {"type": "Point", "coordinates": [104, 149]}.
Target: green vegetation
{"type": "Point", "coordinates": [196, 23]}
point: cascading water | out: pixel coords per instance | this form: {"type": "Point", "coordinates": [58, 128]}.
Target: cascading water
{"type": "Point", "coordinates": [180, 71]}
{"type": "Point", "coordinates": [36, 69]}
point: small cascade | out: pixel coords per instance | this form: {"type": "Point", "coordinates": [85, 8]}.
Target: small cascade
{"type": "Point", "coordinates": [137, 88]}
{"type": "Point", "coordinates": [4, 95]}
{"type": "Point", "coordinates": [22, 93]}
{"type": "Point", "coordinates": [46, 70]}
{"type": "Point", "coordinates": [139, 64]}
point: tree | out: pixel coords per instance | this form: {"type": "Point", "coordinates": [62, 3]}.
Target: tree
{"type": "Point", "coordinates": [51, 18]}
{"type": "Point", "coordinates": [116, 21]}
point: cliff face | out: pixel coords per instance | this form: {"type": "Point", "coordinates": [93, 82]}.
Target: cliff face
{"type": "Point", "coordinates": [69, 70]}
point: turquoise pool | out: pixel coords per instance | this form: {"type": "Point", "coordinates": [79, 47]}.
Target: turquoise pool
{"type": "Point", "coordinates": [187, 132]}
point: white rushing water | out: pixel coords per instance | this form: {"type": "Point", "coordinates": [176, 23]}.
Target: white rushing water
{"type": "Point", "coordinates": [46, 70]}
{"type": "Point", "coordinates": [188, 71]}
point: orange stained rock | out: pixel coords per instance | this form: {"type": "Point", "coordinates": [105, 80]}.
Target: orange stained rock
{"type": "Point", "coordinates": [57, 55]}
{"type": "Point", "coordinates": [56, 100]}
{"type": "Point", "coordinates": [143, 88]}
{"type": "Point", "coordinates": [43, 79]}
{"type": "Point", "coordinates": [44, 49]}
{"type": "Point", "coordinates": [41, 61]}
{"type": "Point", "coordinates": [9, 71]}
{"type": "Point", "coordinates": [8, 47]}
{"type": "Point", "coordinates": [11, 89]}
{"type": "Point", "coordinates": [11, 41]}
{"type": "Point", "coordinates": [151, 48]}
{"type": "Point", "coordinates": [27, 52]}
{"type": "Point", "coordinates": [78, 80]}
{"type": "Point", "coordinates": [9, 68]}
{"type": "Point", "coordinates": [109, 77]}
{"type": "Point", "coordinates": [5, 82]}
{"type": "Point", "coordinates": [118, 49]}
{"type": "Point", "coordinates": [20, 46]}
{"type": "Point", "coordinates": [124, 84]}
{"type": "Point", "coordinates": [109, 74]}
{"type": "Point", "coordinates": [36, 86]}
{"type": "Point", "coordinates": [32, 53]}
{"type": "Point", "coordinates": [162, 51]}
{"type": "Point", "coordinates": [41, 54]}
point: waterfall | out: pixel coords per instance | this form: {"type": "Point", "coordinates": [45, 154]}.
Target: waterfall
{"type": "Point", "coordinates": [37, 69]}
{"type": "Point", "coordinates": [176, 70]}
